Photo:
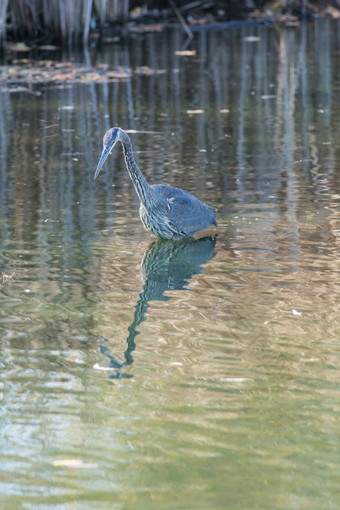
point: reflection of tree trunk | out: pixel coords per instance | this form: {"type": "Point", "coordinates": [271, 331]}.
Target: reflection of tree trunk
{"type": "Point", "coordinates": [112, 10]}
{"type": "Point", "coordinates": [288, 78]}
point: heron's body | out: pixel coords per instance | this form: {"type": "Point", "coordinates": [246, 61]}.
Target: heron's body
{"type": "Point", "coordinates": [167, 212]}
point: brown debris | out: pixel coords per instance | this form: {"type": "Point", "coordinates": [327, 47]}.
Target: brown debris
{"type": "Point", "coordinates": [6, 277]}
{"type": "Point", "coordinates": [25, 71]}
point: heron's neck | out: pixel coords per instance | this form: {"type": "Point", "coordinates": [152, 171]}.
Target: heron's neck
{"type": "Point", "coordinates": [140, 183]}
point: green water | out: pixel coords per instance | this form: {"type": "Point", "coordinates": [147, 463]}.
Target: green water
{"type": "Point", "coordinates": [144, 374]}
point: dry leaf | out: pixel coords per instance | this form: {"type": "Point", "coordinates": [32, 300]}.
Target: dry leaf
{"type": "Point", "coordinates": [194, 112]}
{"type": "Point", "coordinates": [185, 53]}
{"type": "Point", "coordinates": [75, 464]}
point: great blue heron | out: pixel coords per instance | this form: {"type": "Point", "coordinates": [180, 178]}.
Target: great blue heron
{"type": "Point", "coordinates": [168, 212]}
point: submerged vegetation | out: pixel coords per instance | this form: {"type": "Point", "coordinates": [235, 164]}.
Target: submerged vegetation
{"type": "Point", "coordinates": [56, 21]}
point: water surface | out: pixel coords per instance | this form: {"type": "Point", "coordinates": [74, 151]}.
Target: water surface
{"type": "Point", "coordinates": [138, 373]}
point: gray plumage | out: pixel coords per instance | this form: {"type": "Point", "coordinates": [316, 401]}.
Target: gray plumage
{"type": "Point", "coordinates": [167, 212]}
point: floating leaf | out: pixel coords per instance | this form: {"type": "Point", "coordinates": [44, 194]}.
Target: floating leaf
{"type": "Point", "coordinates": [185, 53]}
{"type": "Point", "coordinates": [295, 312]}
{"type": "Point", "coordinates": [195, 112]}
{"type": "Point", "coordinates": [20, 46]}
{"type": "Point", "coordinates": [48, 47]}
{"type": "Point", "coordinates": [252, 38]}
{"type": "Point", "coordinates": [333, 12]}
{"type": "Point", "coordinates": [75, 464]}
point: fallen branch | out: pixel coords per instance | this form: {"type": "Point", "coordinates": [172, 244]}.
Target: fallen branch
{"type": "Point", "coordinates": [181, 19]}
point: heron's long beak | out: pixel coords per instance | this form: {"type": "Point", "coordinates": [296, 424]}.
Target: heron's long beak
{"type": "Point", "coordinates": [104, 155]}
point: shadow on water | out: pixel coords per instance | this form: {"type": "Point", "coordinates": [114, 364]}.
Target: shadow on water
{"type": "Point", "coordinates": [167, 265]}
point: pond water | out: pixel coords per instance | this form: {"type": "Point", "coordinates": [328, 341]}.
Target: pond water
{"type": "Point", "coordinates": [138, 373]}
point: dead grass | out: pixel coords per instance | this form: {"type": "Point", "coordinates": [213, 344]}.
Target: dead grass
{"type": "Point", "coordinates": [65, 19]}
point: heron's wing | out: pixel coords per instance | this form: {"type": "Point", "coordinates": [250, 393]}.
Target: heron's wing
{"type": "Point", "coordinates": [185, 213]}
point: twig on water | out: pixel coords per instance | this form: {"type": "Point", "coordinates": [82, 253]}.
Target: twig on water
{"type": "Point", "coordinates": [181, 19]}
{"type": "Point", "coordinates": [6, 277]}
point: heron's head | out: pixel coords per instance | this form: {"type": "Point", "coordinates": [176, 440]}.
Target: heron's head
{"type": "Point", "coordinates": [110, 139]}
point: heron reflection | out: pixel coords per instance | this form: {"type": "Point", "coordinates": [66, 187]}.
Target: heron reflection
{"type": "Point", "coordinates": [167, 265]}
